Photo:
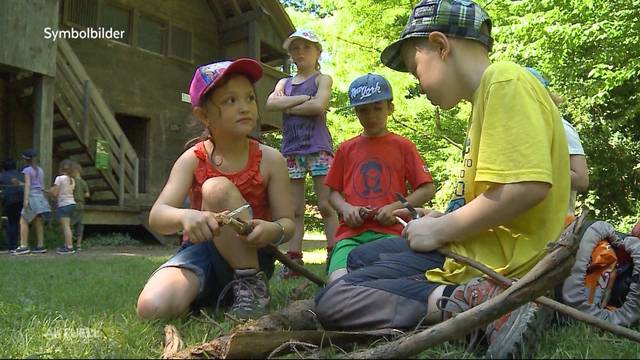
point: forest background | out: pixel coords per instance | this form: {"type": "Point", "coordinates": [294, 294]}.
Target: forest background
{"type": "Point", "coordinates": [587, 49]}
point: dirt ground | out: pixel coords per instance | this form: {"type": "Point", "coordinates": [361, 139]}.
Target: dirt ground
{"type": "Point", "coordinates": [142, 250]}
{"type": "Point", "coordinates": [108, 251]}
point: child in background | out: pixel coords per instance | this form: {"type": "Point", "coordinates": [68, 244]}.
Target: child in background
{"type": "Point", "coordinates": [510, 198]}
{"type": "Point", "coordinates": [35, 206]}
{"type": "Point", "coordinates": [80, 193]}
{"type": "Point", "coordinates": [11, 181]}
{"type": "Point", "coordinates": [577, 159]}
{"type": "Point", "coordinates": [368, 170]}
{"type": "Point", "coordinates": [62, 190]}
{"type": "Point", "coordinates": [223, 171]}
{"type": "Point", "coordinates": [306, 142]}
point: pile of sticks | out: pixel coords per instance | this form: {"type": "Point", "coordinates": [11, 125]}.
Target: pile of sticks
{"type": "Point", "coordinates": [296, 324]}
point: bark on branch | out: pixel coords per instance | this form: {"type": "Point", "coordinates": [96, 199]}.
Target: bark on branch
{"type": "Point", "coordinates": [551, 270]}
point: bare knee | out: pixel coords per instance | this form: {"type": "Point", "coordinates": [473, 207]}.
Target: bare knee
{"type": "Point", "coordinates": [167, 294]}
{"type": "Point", "coordinates": [150, 308]}
{"type": "Point", "coordinates": [218, 192]}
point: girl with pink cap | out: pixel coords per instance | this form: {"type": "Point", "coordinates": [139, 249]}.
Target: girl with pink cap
{"type": "Point", "coordinates": [221, 170]}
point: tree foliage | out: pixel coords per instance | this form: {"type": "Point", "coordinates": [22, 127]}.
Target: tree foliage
{"type": "Point", "coordinates": [588, 49]}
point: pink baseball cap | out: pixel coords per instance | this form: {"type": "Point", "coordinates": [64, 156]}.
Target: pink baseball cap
{"type": "Point", "coordinates": [207, 76]}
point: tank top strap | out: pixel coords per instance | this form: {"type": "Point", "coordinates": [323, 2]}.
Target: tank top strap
{"type": "Point", "coordinates": [255, 155]}
{"type": "Point", "coordinates": [200, 151]}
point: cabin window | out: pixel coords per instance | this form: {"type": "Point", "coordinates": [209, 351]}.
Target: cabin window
{"type": "Point", "coordinates": [117, 19]}
{"type": "Point", "coordinates": [152, 34]}
{"type": "Point", "coordinates": [82, 13]}
{"type": "Point", "coordinates": [180, 43]}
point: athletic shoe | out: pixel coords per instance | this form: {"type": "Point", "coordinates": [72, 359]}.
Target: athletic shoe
{"type": "Point", "coordinates": [286, 273]}
{"type": "Point", "coordinates": [515, 335]}
{"type": "Point", "coordinates": [507, 336]}
{"type": "Point", "coordinates": [63, 250]}
{"type": "Point", "coordinates": [250, 293]}
{"type": "Point", "coordinates": [22, 250]}
{"type": "Point", "coordinates": [38, 250]}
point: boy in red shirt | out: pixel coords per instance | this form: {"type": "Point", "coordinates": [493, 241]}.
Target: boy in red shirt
{"type": "Point", "coordinates": [368, 170]}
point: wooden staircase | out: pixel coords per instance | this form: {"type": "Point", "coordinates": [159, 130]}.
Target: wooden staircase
{"type": "Point", "coordinates": [81, 117]}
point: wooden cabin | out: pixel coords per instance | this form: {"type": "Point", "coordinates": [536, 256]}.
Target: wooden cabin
{"type": "Point", "coordinates": [114, 105]}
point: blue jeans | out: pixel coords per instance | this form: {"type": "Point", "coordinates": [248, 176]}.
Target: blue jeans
{"type": "Point", "coordinates": [13, 224]}
{"type": "Point", "coordinates": [386, 287]}
{"type": "Point", "coordinates": [212, 270]}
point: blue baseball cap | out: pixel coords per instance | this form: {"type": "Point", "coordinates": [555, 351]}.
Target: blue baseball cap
{"type": "Point", "coordinates": [538, 76]}
{"type": "Point", "coordinates": [368, 89]}
{"type": "Point", "coordinates": [29, 154]}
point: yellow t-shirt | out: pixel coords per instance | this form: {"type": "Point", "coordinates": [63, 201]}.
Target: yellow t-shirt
{"type": "Point", "coordinates": [516, 134]}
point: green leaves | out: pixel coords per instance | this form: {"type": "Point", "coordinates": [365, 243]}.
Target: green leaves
{"type": "Point", "coordinates": [588, 49]}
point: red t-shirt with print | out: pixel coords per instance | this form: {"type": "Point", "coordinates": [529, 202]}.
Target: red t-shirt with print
{"type": "Point", "coordinates": [369, 170]}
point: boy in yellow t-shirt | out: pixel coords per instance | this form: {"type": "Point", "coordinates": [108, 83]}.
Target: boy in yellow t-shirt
{"type": "Point", "coordinates": [510, 199]}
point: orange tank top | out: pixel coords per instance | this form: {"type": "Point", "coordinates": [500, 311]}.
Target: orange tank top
{"type": "Point", "coordinates": [248, 180]}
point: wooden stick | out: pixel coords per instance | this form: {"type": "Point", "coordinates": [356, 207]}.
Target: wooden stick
{"type": "Point", "coordinates": [244, 228]}
{"type": "Point", "coordinates": [543, 300]}
{"type": "Point", "coordinates": [284, 259]}
{"type": "Point", "coordinates": [550, 270]}
{"type": "Point", "coordinates": [172, 342]}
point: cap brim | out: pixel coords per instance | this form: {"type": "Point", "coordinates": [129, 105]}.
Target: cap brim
{"type": "Point", "coordinates": [391, 56]}
{"type": "Point", "coordinates": [289, 40]}
{"type": "Point", "coordinates": [249, 67]}
{"type": "Point", "coordinates": [245, 66]}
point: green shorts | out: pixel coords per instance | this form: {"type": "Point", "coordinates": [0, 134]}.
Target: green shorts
{"type": "Point", "coordinates": [340, 253]}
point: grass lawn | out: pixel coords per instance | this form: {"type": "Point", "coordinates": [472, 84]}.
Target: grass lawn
{"type": "Point", "coordinates": [83, 306]}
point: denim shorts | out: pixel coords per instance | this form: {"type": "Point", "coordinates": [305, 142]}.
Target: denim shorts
{"type": "Point", "coordinates": [65, 211]}
{"type": "Point", "coordinates": [212, 270]}
{"type": "Point", "coordinates": [38, 205]}
{"type": "Point", "coordinates": [317, 164]}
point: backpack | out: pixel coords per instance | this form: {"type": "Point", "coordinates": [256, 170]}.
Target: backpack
{"type": "Point", "coordinates": [604, 281]}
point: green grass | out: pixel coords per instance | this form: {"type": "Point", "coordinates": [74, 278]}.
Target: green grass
{"type": "Point", "coordinates": [84, 307]}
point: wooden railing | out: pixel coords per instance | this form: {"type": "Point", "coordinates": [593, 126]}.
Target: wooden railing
{"type": "Point", "coordinates": [90, 119]}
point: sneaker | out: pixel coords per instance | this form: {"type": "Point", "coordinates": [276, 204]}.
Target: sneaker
{"type": "Point", "coordinates": [250, 293]}
{"type": "Point", "coordinates": [63, 250]}
{"type": "Point", "coordinates": [515, 335]}
{"type": "Point", "coordinates": [507, 336]}
{"type": "Point", "coordinates": [22, 250]}
{"type": "Point", "coordinates": [38, 250]}
{"type": "Point", "coordinates": [286, 273]}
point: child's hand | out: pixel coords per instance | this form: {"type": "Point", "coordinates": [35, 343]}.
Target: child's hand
{"type": "Point", "coordinates": [422, 212]}
{"type": "Point", "coordinates": [279, 93]}
{"type": "Point", "coordinates": [263, 234]}
{"type": "Point", "coordinates": [351, 216]}
{"type": "Point", "coordinates": [200, 225]}
{"type": "Point", "coordinates": [385, 215]}
{"type": "Point", "coordinates": [423, 234]}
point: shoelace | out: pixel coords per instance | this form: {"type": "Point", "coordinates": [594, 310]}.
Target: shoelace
{"type": "Point", "coordinates": [243, 282]}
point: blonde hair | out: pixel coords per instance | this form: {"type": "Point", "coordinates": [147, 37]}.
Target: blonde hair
{"type": "Point", "coordinates": [67, 167]}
